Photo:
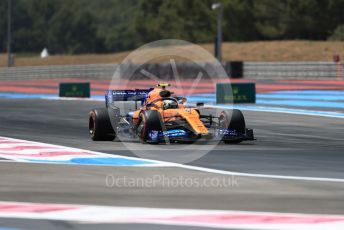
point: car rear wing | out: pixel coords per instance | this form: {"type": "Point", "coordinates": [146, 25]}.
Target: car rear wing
{"type": "Point", "coordinates": [126, 95]}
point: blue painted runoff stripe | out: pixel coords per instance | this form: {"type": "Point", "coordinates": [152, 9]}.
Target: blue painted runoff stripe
{"type": "Point", "coordinates": [201, 99]}
{"type": "Point", "coordinates": [27, 96]}
{"type": "Point", "coordinates": [311, 92]}
{"type": "Point", "coordinates": [338, 96]}
{"type": "Point", "coordinates": [96, 161]}
{"type": "Point", "coordinates": [42, 96]}
{"type": "Point", "coordinates": [281, 110]}
{"type": "Point", "coordinates": [329, 100]}
{"type": "Point", "coordinates": [297, 103]}
{"type": "Point", "coordinates": [9, 228]}
{"type": "Point", "coordinates": [302, 103]}
{"type": "Point", "coordinates": [301, 97]}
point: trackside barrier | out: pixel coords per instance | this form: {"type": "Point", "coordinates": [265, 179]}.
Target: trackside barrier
{"type": "Point", "coordinates": [292, 70]}
{"type": "Point", "coordinates": [92, 71]}
{"type": "Point", "coordinates": [227, 93]}
{"type": "Point", "coordinates": [250, 70]}
{"type": "Point", "coordinates": [74, 89]}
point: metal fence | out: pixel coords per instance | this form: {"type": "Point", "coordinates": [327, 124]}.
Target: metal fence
{"type": "Point", "coordinates": [252, 70]}
{"type": "Point", "coordinates": [59, 71]}
{"type": "Point", "coordinates": [292, 70]}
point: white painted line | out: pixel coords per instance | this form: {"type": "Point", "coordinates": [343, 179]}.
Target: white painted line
{"type": "Point", "coordinates": [170, 164]}
{"type": "Point", "coordinates": [257, 175]}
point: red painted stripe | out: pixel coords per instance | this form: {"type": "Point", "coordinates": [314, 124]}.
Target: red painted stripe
{"type": "Point", "coordinates": [4, 141]}
{"type": "Point", "coordinates": [253, 219]}
{"type": "Point", "coordinates": [98, 87]}
{"type": "Point", "coordinates": [217, 218]}
{"type": "Point", "coordinates": [34, 208]}
{"type": "Point", "coordinates": [45, 154]}
{"type": "Point", "coordinates": [52, 82]}
{"type": "Point", "coordinates": [24, 147]}
{"type": "Point", "coordinates": [316, 82]}
{"type": "Point", "coordinates": [23, 89]}
{"type": "Point", "coordinates": [93, 91]}
{"type": "Point", "coordinates": [273, 87]}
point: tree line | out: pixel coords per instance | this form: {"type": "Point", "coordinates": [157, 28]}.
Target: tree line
{"type": "Point", "coordinates": [102, 26]}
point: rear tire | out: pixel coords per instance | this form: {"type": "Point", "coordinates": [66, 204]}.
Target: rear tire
{"type": "Point", "coordinates": [234, 121]}
{"type": "Point", "coordinates": [100, 127]}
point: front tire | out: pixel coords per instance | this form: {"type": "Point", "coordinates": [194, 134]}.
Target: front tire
{"type": "Point", "coordinates": [234, 121]}
{"type": "Point", "coordinates": [149, 120]}
{"type": "Point", "coordinates": [100, 127]}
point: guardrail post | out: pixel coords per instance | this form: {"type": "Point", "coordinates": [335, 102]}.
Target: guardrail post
{"type": "Point", "coordinates": [336, 59]}
{"type": "Point", "coordinates": [339, 71]}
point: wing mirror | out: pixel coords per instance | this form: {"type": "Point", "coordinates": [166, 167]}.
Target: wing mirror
{"type": "Point", "coordinates": [182, 100]}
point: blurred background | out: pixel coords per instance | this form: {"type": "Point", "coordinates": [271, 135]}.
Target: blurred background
{"type": "Point", "coordinates": [299, 30]}
{"type": "Point", "coordinates": [280, 45]}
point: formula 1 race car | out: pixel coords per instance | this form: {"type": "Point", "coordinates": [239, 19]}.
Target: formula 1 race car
{"type": "Point", "coordinates": [163, 118]}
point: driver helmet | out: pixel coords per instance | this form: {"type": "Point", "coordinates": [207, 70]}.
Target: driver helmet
{"type": "Point", "coordinates": [170, 104]}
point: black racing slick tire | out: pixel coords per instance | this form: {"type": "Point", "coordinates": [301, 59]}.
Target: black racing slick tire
{"type": "Point", "coordinates": [234, 120]}
{"type": "Point", "coordinates": [100, 127]}
{"type": "Point", "coordinates": [149, 120]}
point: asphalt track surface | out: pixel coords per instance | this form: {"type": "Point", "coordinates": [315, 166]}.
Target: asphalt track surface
{"type": "Point", "coordinates": [16, 224]}
{"type": "Point", "coordinates": [290, 145]}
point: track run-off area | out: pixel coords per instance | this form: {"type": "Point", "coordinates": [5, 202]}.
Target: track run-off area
{"type": "Point", "coordinates": [54, 176]}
